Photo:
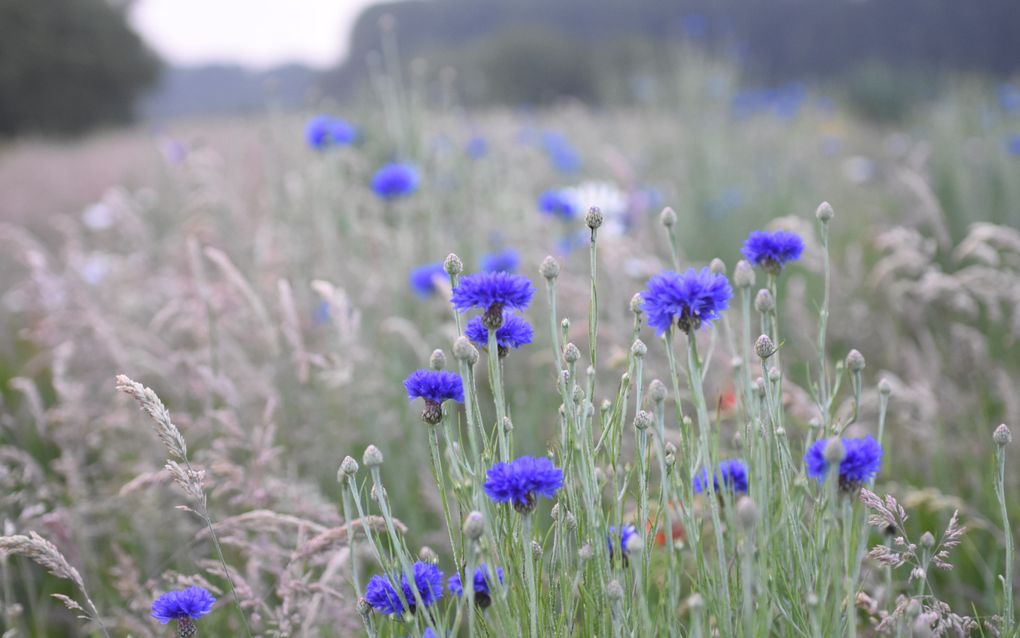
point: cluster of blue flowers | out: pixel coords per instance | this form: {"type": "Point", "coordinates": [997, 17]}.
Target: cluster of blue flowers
{"type": "Point", "coordinates": [861, 462]}
{"type": "Point", "coordinates": [492, 292]}
{"type": "Point", "coordinates": [480, 582]}
{"type": "Point", "coordinates": [383, 596]}
{"type": "Point", "coordinates": [324, 131]}
{"type": "Point", "coordinates": [184, 605]}
{"type": "Point", "coordinates": [521, 480]}
{"type": "Point", "coordinates": [733, 473]}
{"type": "Point", "coordinates": [688, 300]}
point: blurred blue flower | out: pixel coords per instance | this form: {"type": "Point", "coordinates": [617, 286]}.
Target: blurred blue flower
{"type": "Point", "coordinates": [502, 261]}
{"type": "Point", "coordinates": [486, 290]}
{"type": "Point", "coordinates": [324, 131]}
{"type": "Point", "coordinates": [383, 597]}
{"type": "Point", "coordinates": [477, 148]}
{"type": "Point", "coordinates": [322, 313]}
{"type": "Point", "coordinates": [624, 538]}
{"type": "Point", "coordinates": [556, 203]}
{"type": "Point", "coordinates": [688, 300]}
{"type": "Point", "coordinates": [395, 180]}
{"type": "Point", "coordinates": [772, 251]}
{"type": "Point", "coordinates": [423, 278]}
{"type": "Point", "coordinates": [733, 473]}
{"type": "Point", "coordinates": [695, 25]}
{"type": "Point", "coordinates": [483, 594]}
{"type": "Point", "coordinates": [513, 333]}
{"type": "Point", "coordinates": [861, 462]}
{"type": "Point", "coordinates": [184, 604]}
{"type": "Point", "coordinates": [560, 153]}
{"type": "Point", "coordinates": [1009, 98]}
{"type": "Point", "coordinates": [519, 481]}
{"type": "Point", "coordinates": [1013, 145]}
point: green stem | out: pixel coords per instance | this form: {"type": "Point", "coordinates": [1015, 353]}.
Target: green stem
{"type": "Point", "coordinates": [438, 475]}
{"type": "Point", "coordinates": [529, 574]}
{"type": "Point", "coordinates": [1007, 580]}
{"type": "Point", "coordinates": [496, 381]}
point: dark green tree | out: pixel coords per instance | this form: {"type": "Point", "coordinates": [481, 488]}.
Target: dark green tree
{"type": "Point", "coordinates": [68, 65]}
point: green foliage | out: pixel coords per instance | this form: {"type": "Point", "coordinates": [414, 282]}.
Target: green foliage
{"type": "Point", "coordinates": [67, 65]}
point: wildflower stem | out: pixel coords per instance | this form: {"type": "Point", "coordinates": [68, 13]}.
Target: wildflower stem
{"type": "Point", "coordinates": [438, 475]}
{"type": "Point", "coordinates": [698, 394]}
{"type": "Point", "coordinates": [496, 381]}
{"type": "Point", "coordinates": [593, 309]}
{"type": "Point", "coordinates": [554, 325]}
{"type": "Point", "coordinates": [529, 573]}
{"type": "Point", "coordinates": [823, 322]}
{"type": "Point", "coordinates": [1008, 618]}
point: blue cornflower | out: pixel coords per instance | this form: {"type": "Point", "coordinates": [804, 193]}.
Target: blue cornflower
{"type": "Point", "coordinates": [395, 180]}
{"type": "Point", "coordinates": [514, 333]}
{"type": "Point", "coordinates": [477, 148]}
{"type": "Point", "coordinates": [733, 473]}
{"type": "Point", "coordinates": [435, 386]}
{"type": "Point", "coordinates": [557, 204]}
{"type": "Point", "coordinates": [628, 532]}
{"type": "Point", "coordinates": [183, 605]}
{"type": "Point", "coordinates": [1013, 145]}
{"type": "Point", "coordinates": [695, 25]}
{"type": "Point", "coordinates": [560, 153]}
{"type": "Point", "coordinates": [492, 292]}
{"type": "Point", "coordinates": [520, 480]}
{"type": "Point", "coordinates": [502, 261]}
{"type": "Point", "coordinates": [383, 597]}
{"type": "Point", "coordinates": [423, 278]}
{"type": "Point", "coordinates": [862, 460]}
{"type": "Point", "coordinates": [772, 251]}
{"type": "Point", "coordinates": [324, 131]}
{"type": "Point", "coordinates": [686, 300]}
{"type": "Point", "coordinates": [483, 595]}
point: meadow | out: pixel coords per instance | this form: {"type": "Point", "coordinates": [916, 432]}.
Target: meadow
{"type": "Point", "coordinates": [271, 294]}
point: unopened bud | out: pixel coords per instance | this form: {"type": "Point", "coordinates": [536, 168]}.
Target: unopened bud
{"type": "Point", "coordinates": [657, 391]}
{"type": "Point", "coordinates": [438, 360]}
{"type": "Point", "coordinates": [585, 553]}
{"type": "Point", "coordinates": [668, 217]}
{"type": "Point", "coordinates": [363, 607]}
{"type": "Point", "coordinates": [642, 420]}
{"type": "Point", "coordinates": [764, 347]}
{"type": "Point", "coordinates": [774, 374]}
{"type": "Point", "coordinates": [453, 265]}
{"type": "Point", "coordinates": [718, 266]}
{"type": "Point", "coordinates": [508, 425]}
{"type": "Point", "coordinates": [743, 274]}
{"type": "Point", "coordinates": [550, 268]}
{"type": "Point", "coordinates": [594, 217]}
{"type": "Point", "coordinates": [638, 348]}
{"type": "Point", "coordinates": [669, 448]}
{"type": "Point", "coordinates": [834, 451]}
{"type": "Point", "coordinates": [637, 304]}
{"type": "Point", "coordinates": [474, 526]}
{"type": "Point", "coordinates": [824, 212]}
{"type": "Point", "coordinates": [927, 540]}
{"type": "Point", "coordinates": [571, 354]}
{"type": "Point", "coordinates": [763, 302]}
{"type": "Point", "coordinates": [348, 467]}
{"type": "Point", "coordinates": [614, 590]}
{"type": "Point", "coordinates": [570, 521]}
{"type": "Point", "coordinates": [536, 549]}
{"type": "Point", "coordinates": [855, 361]}
{"type": "Point", "coordinates": [695, 602]}
{"type": "Point", "coordinates": [747, 513]}
{"type": "Point", "coordinates": [372, 457]}
{"type": "Point", "coordinates": [465, 351]}
{"type": "Point", "coordinates": [428, 555]}
{"type": "Point", "coordinates": [1002, 436]}
{"type": "Point", "coordinates": [885, 387]}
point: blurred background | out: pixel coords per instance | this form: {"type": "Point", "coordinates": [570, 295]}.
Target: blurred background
{"type": "Point", "coordinates": [167, 212]}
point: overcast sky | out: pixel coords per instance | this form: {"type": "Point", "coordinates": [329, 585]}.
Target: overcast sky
{"type": "Point", "coordinates": [254, 33]}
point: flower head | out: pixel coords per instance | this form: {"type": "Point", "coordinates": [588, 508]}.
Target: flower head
{"type": "Point", "coordinates": [184, 604]}
{"type": "Point", "coordinates": [733, 473]}
{"type": "Point", "coordinates": [483, 595]}
{"type": "Point", "coordinates": [384, 598]}
{"type": "Point", "coordinates": [476, 148]}
{"type": "Point", "coordinates": [625, 536]}
{"type": "Point", "coordinates": [423, 278]}
{"type": "Point", "coordinates": [492, 292]}
{"type": "Point", "coordinates": [687, 300]}
{"type": "Point", "coordinates": [435, 386]}
{"type": "Point", "coordinates": [513, 333]}
{"type": "Point", "coordinates": [772, 251]}
{"type": "Point", "coordinates": [861, 461]}
{"type": "Point", "coordinates": [520, 480]}
{"type": "Point", "coordinates": [556, 203]}
{"type": "Point", "coordinates": [395, 180]}
{"type": "Point", "coordinates": [502, 261]}
{"type": "Point", "coordinates": [324, 131]}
